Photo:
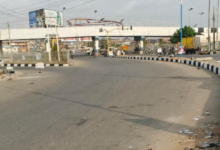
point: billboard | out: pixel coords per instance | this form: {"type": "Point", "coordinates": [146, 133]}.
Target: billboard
{"type": "Point", "coordinates": [166, 39]}
{"type": "Point", "coordinates": [39, 18]}
{"type": "Point", "coordinates": [33, 19]}
{"type": "Point", "coordinates": [53, 17]}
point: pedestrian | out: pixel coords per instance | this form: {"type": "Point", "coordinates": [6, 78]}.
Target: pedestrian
{"type": "Point", "coordinates": [198, 50]}
{"type": "Point", "coordinates": [71, 54]}
{"type": "Point", "coordinates": [164, 51]}
{"type": "Point", "coordinates": [170, 50]}
{"type": "Point", "coordinates": [105, 54]}
{"type": "Point", "coordinates": [173, 50]}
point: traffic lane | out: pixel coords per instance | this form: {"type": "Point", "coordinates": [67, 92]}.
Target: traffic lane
{"type": "Point", "coordinates": [102, 104]}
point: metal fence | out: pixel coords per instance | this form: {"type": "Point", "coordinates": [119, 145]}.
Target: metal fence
{"type": "Point", "coordinates": [34, 57]}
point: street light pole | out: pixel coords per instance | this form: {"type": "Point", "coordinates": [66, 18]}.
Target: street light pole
{"type": "Point", "coordinates": [213, 28]}
{"type": "Point", "coordinates": [217, 25]}
{"type": "Point", "coordinates": [64, 8]}
{"type": "Point", "coordinates": [9, 37]}
{"type": "Point", "coordinates": [181, 25]}
{"type": "Point", "coordinates": [209, 40]}
{"type": "Point", "coordinates": [189, 14]}
{"type": "Point", "coordinates": [201, 17]}
{"type": "Point", "coordinates": [58, 46]}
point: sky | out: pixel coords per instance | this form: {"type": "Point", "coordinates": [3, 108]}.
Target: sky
{"type": "Point", "coordinates": [16, 11]}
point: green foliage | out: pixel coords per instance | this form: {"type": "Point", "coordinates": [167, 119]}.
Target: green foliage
{"type": "Point", "coordinates": [54, 49]}
{"type": "Point", "coordinates": [103, 43]}
{"type": "Point", "coordinates": [162, 42]}
{"type": "Point", "coordinates": [187, 32]}
{"type": "Point", "coordinates": [118, 45]}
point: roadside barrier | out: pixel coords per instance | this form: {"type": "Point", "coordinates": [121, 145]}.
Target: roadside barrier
{"type": "Point", "coordinates": [33, 65]}
{"type": "Point", "coordinates": [207, 66]}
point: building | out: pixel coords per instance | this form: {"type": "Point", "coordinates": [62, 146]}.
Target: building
{"type": "Point", "coordinates": [21, 45]}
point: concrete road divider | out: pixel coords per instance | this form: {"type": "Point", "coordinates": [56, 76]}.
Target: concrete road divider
{"type": "Point", "coordinates": [196, 63]}
{"type": "Point", "coordinates": [204, 58]}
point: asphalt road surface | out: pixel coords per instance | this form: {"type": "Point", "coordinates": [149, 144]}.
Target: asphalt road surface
{"type": "Point", "coordinates": [105, 104]}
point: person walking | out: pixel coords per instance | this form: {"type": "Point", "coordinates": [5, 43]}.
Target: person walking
{"type": "Point", "coordinates": [173, 50]}
{"type": "Point", "coordinates": [164, 51]}
{"type": "Point", "coordinates": [198, 50]}
{"type": "Point", "coordinates": [71, 54]}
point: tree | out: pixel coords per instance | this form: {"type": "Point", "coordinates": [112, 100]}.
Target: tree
{"type": "Point", "coordinates": [54, 49]}
{"type": "Point", "coordinates": [103, 43]}
{"type": "Point", "coordinates": [187, 32]}
{"type": "Point", "coordinates": [162, 42]}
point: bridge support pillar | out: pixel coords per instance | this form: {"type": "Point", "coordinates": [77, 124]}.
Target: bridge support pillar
{"type": "Point", "coordinates": [1, 47]}
{"type": "Point", "coordinates": [139, 44]}
{"type": "Point", "coordinates": [96, 44]}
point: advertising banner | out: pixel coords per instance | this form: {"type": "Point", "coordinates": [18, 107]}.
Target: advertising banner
{"type": "Point", "coordinates": [33, 19]}
{"type": "Point", "coordinates": [166, 39]}
{"type": "Point", "coordinates": [53, 17]}
{"type": "Point", "coordinates": [181, 50]}
{"type": "Point", "coordinates": [39, 18]}
{"type": "Point", "coordinates": [86, 39]}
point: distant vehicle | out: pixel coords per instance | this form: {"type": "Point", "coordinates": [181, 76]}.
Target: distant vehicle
{"type": "Point", "coordinates": [191, 44]}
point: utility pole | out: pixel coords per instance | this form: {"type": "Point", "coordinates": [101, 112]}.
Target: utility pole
{"type": "Point", "coordinates": [48, 42]}
{"type": "Point", "coordinates": [213, 28]}
{"type": "Point", "coordinates": [9, 36]}
{"type": "Point", "coordinates": [181, 22]}
{"type": "Point", "coordinates": [209, 26]}
{"type": "Point", "coordinates": [217, 24]}
{"type": "Point", "coordinates": [58, 46]}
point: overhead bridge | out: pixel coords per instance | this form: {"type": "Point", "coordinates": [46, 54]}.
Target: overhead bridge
{"type": "Point", "coordinates": [89, 31]}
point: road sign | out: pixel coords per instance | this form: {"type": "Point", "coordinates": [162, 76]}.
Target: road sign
{"type": "Point", "coordinates": [23, 57]}
{"type": "Point", "coordinates": [125, 47]}
{"type": "Point", "coordinates": [38, 56]}
{"type": "Point", "coordinates": [39, 65]}
{"type": "Point", "coordinates": [9, 68]}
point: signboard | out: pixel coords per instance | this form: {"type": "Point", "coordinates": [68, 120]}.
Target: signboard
{"type": "Point", "coordinates": [86, 39]}
{"type": "Point", "coordinates": [23, 57]}
{"type": "Point", "coordinates": [166, 39]}
{"type": "Point", "coordinates": [159, 50]}
{"type": "Point", "coordinates": [125, 47]}
{"type": "Point", "coordinates": [33, 19]}
{"type": "Point", "coordinates": [9, 68]}
{"type": "Point", "coordinates": [127, 43]}
{"type": "Point", "coordinates": [38, 56]}
{"type": "Point", "coordinates": [39, 18]}
{"type": "Point", "coordinates": [39, 65]}
{"type": "Point", "coordinates": [181, 50]}
{"type": "Point", "coordinates": [53, 17]}
{"type": "Point", "coordinates": [118, 53]}
{"type": "Point", "coordinates": [110, 53]}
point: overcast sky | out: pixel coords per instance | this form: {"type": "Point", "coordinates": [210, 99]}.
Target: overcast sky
{"type": "Point", "coordinates": [16, 11]}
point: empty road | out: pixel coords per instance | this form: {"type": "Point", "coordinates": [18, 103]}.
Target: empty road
{"type": "Point", "coordinates": [105, 104]}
